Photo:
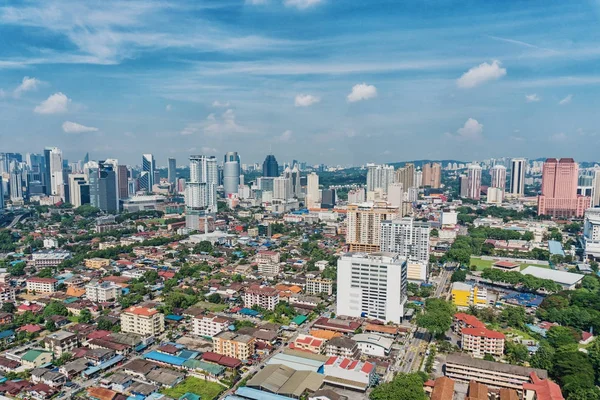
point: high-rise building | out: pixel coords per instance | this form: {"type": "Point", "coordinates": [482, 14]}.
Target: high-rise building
{"type": "Point", "coordinates": [312, 190]}
{"type": "Point", "coordinates": [103, 187]}
{"type": "Point", "coordinates": [55, 172]}
{"type": "Point", "coordinates": [201, 189]}
{"type": "Point", "coordinates": [559, 190]}
{"type": "Point", "coordinates": [463, 181]}
{"type": "Point", "coordinates": [328, 198]}
{"type": "Point", "coordinates": [16, 182]}
{"type": "Point", "coordinates": [406, 176]}
{"type": "Point", "coordinates": [282, 188]}
{"type": "Point", "coordinates": [35, 165]}
{"type": "Point", "coordinates": [517, 177]}
{"type": "Point", "coordinates": [418, 181]}
{"type": "Point", "coordinates": [146, 179]}
{"type": "Point", "coordinates": [379, 177]}
{"type": "Point", "coordinates": [356, 196]}
{"type": "Point", "coordinates": [172, 171]}
{"type": "Point", "coordinates": [372, 286]}
{"type": "Point", "coordinates": [591, 233]}
{"type": "Point", "coordinates": [231, 173]}
{"type": "Point", "coordinates": [432, 175]}
{"type": "Point", "coordinates": [270, 167]}
{"type": "Point", "coordinates": [46, 171]}
{"type": "Point", "coordinates": [79, 190]}
{"type": "Point", "coordinates": [474, 176]}
{"type": "Point", "coordinates": [407, 237]}
{"type": "Point", "coordinates": [1, 194]}
{"type": "Point", "coordinates": [498, 176]}
{"type": "Point", "coordinates": [293, 175]}
{"type": "Point", "coordinates": [395, 195]}
{"type": "Point", "coordinates": [122, 181]}
{"type": "Point", "coordinates": [363, 224]}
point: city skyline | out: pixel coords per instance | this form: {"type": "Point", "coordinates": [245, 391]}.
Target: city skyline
{"type": "Point", "coordinates": [412, 83]}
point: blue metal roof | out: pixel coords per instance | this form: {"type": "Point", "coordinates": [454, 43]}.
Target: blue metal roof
{"type": "Point", "coordinates": [249, 311]}
{"type": "Point", "coordinates": [7, 333]}
{"type": "Point", "coordinates": [555, 248]}
{"type": "Point", "coordinates": [107, 364]}
{"type": "Point", "coordinates": [173, 317]}
{"type": "Point", "coordinates": [255, 394]}
{"type": "Point", "coordinates": [164, 358]}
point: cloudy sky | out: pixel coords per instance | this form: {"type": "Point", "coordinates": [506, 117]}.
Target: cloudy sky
{"type": "Point", "coordinates": [339, 82]}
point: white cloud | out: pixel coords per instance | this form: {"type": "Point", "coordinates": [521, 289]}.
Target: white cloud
{"type": "Point", "coordinates": [471, 130]}
{"type": "Point", "coordinates": [286, 136]}
{"type": "Point", "coordinates": [301, 4]}
{"type": "Point", "coordinates": [168, 107]}
{"type": "Point", "coordinates": [206, 149]}
{"type": "Point", "coordinates": [216, 125]}
{"type": "Point", "coordinates": [306, 100]}
{"type": "Point", "coordinates": [27, 84]}
{"type": "Point", "coordinates": [74, 127]}
{"type": "Point", "coordinates": [566, 100]}
{"type": "Point", "coordinates": [559, 137]}
{"type": "Point", "coordinates": [218, 104]}
{"type": "Point", "coordinates": [480, 74]}
{"type": "Point", "coordinates": [362, 91]}
{"type": "Point", "coordinates": [532, 98]}
{"type": "Point", "coordinates": [55, 104]}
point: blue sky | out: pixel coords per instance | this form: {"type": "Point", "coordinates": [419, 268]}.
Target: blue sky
{"type": "Point", "coordinates": [333, 81]}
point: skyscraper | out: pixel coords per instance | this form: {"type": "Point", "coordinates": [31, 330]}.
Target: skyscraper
{"type": "Point", "coordinates": [16, 182]}
{"type": "Point", "coordinates": [122, 181]}
{"type": "Point", "coordinates": [312, 190]}
{"type": "Point", "coordinates": [328, 198]}
{"type": "Point", "coordinates": [364, 224]}
{"type": "Point", "coordinates": [46, 171]}
{"type": "Point", "coordinates": [498, 175]}
{"type": "Point", "coordinates": [559, 190]}
{"type": "Point", "coordinates": [474, 176]}
{"type": "Point", "coordinates": [407, 237]}
{"type": "Point", "coordinates": [270, 167]}
{"type": "Point", "coordinates": [517, 177]}
{"type": "Point", "coordinates": [293, 175]}
{"type": "Point", "coordinates": [372, 286]}
{"type": "Point", "coordinates": [79, 190]}
{"type": "Point", "coordinates": [282, 188]}
{"type": "Point", "coordinates": [464, 186]}
{"type": "Point", "coordinates": [231, 173]}
{"type": "Point", "coordinates": [172, 172]}
{"type": "Point", "coordinates": [146, 180]}
{"type": "Point", "coordinates": [1, 194]}
{"type": "Point", "coordinates": [432, 175]}
{"type": "Point", "coordinates": [103, 187]}
{"type": "Point", "coordinates": [55, 167]}
{"type": "Point", "coordinates": [406, 176]}
{"type": "Point", "coordinates": [201, 190]}
{"type": "Point", "coordinates": [379, 177]}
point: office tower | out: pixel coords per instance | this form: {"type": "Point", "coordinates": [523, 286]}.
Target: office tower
{"type": "Point", "coordinates": [79, 190]}
{"type": "Point", "coordinates": [596, 186]}
{"type": "Point", "coordinates": [293, 174]}
{"type": "Point", "coordinates": [407, 237]}
{"type": "Point", "coordinates": [474, 186]}
{"type": "Point", "coordinates": [231, 173]}
{"type": "Point", "coordinates": [432, 175]}
{"type": "Point", "coordinates": [363, 224]}
{"type": "Point", "coordinates": [122, 181]}
{"type": "Point", "coordinates": [356, 196]}
{"type": "Point", "coordinates": [46, 181]}
{"type": "Point", "coordinates": [418, 181]}
{"type": "Point", "coordinates": [463, 186]}
{"type": "Point", "coordinates": [328, 198]}
{"type": "Point", "coordinates": [201, 190]}
{"type": "Point", "coordinates": [282, 188]}
{"type": "Point", "coordinates": [55, 170]}
{"type": "Point", "coordinates": [406, 176]}
{"type": "Point", "coordinates": [395, 195]}
{"type": "Point", "coordinates": [517, 177]}
{"type": "Point", "coordinates": [172, 172]}
{"type": "Point", "coordinates": [16, 182]}
{"type": "Point", "coordinates": [559, 190]}
{"type": "Point", "coordinates": [270, 167]}
{"type": "Point", "coordinates": [114, 163]}
{"type": "Point", "coordinates": [379, 177]}
{"type": "Point", "coordinates": [312, 190]}
{"type": "Point", "coordinates": [372, 286]}
{"type": "Point", "coordinates": [146, 179]}
{"type": "Point", "coordinates": [35, 165]}
{"type": "Point", "coordinates": [103, 187]}
{"type": "Point", "coordinates": [1, 194]}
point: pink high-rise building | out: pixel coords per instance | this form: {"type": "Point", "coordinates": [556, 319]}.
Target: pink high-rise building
{"type": "Point", "coordinates": [559, 190]}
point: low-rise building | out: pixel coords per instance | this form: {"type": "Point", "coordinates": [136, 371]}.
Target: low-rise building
{"type": "Point", "coordinates": [96, 263]}
{"type": "Point", "coordinates": [102, 291]}
{"type": "Point", "coordinates": [41, 285]}
{"type": "Point", "coordinates": [371, 344]}
{"type": "Point", "coordinates": [506, 266]}
{"type": "Point", "coordinates": [541, 389]}
{"type": "Point", "coordinates": [416, 271]}
{"type": "Point", "coordinates": [234, 345]}
{"type": "Point", "coordinates": [308, 343]}
{"type": "Point", "coordinates": [348, 373]}
{"type": "Point", "coordinates": [342, 347]}
{"type": "Point", "coordinates": [465, 295]}
{"type": "Point", "coordinates": [462, 320]}
{"type": "Point", "coordinates": [142, 320]}
{"type": "Point", "coordinates": [262, 296]}
{"type": "Point", "coordinates": [267, 257]}
{"type": "Point", "coordinates": [319, 285]}
{"type": "Point", "coordinates": [61, 342]}
{"type": "Point", "coordinates": [269, 269]}
{"type": "Point", "coordinates": [36, 358]}
{"type": "Point", "coordinates": [481, 341]}
{"type": "Point", "coordinates": [49, 258]}
{"type": "Point", "coordinates": [210, 325]}
{"type": "Point", "coordinates": [7, 294]}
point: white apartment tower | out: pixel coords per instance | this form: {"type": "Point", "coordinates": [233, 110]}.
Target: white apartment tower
{"type": "Point", "coordinates": [313, 198]}
{"type": "Point", "coordinates": [379, 177]}
{"type": "Point", "coordinates": [372, 286]}
{"type": "Point", "coordinates": [474, 182]}
{"type": "Point", "coordinates": [498, 175]}
{"type": "Point", "coordinates": [363, 224]}
{"type": "Point", "coordinates": [201, 190]}
{"type": "Point", "coordinates": [282, 188]}
{"type": "Point", "coordinates": [517, 177]}
{"type": "Point", "coordinates": [406, 237]}
{"type": "Point", "coordinates": [57, 181]}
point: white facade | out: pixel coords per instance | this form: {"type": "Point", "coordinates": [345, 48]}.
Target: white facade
{"type": "Point", "coordinates": [102, 292]}
{"type": "Point", "coordinates": [7, 294]}
{"type": "Point", "coordinates": [356, 196]}
{"type": "Point", "coordinates": [371, 344]}
{"type": "Point", "coordinates": [395, 195]}
{"type": "Point", "coordinates": [372, 286]}
{"type": "Point", "coordinates": [57, 181]}
{"type": "Point", "coordinates": [209, 325]}
{"type": "Point", "coordinates": [379, 177]}
{"type": "Point", "coordinates": [449, 218]}
{"type": "Point", "coordinates": [143, 321]}
{"type": "Point", "coordinates": [498, 175]}
{"type": "Point", "coordinates": [75, 182]}
{"type": "Point", "coordinates": [591, 232]}
{"type": "Point", "coordinates": [282, 188]}
{"type": "Point", "coordinates": [407, 237]}
{"type": "Point", "coordinates": [313, 198]}
{"type": "Point", "coordinates": [269, 269]}
{"type": "Point", "coordinates": [319, 285]}
{"type": "Point", "coordinates": [474, 182]}
{"type": "Point", "coordinates": [495, 195]}
{"type": "Point", "coordinates": [517, 177]}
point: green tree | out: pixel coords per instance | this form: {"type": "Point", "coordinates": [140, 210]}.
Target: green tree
{"type": "Point", "coordinates": [63, 359]}
{"type": "Point", "coordinates": [403, 386]}
{"type": "Point", "coordinates": [573, 371]}
{"type": "Point", "coordinates": [516, 353]}
{"type": "Point", "coordinates": [104, 324]}
{"type": "Point", "coordinates": [437, 317]}
{"type": "Point", "coordinates": [85, 316]}
{"type": "Point", "coordinates": [543, 357]}
{"type": "Point", "coordinates": [513, 316]}
{"type": "Point", "coordinates": [203, 247]}
{"type": "Point", "coordinates": [50, 326]}
{"type": "Point", "coordinates": [214, 298]}
{"type": "Point", "coordinates": [561, 336]}
{"type": "Point", "coordinates": [8, 308]}
{"type": "Point", "coordinates": [55, 308]}
{"type": "Point", "coordinates": [460, 275]}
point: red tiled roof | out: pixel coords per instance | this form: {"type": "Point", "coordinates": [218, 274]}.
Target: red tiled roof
{"type": "Point", "coordinates": [30, 328]}
{"type": "Point", "coordinates": [367, 368]}
{"type": "Point", "coordinates": [505, 264]}
{"type": "Point", "coordinates": [41, 280]}
{"type": "Point", "coordinates": [139, 310]}
{"type": "Point", "coordinates": [483, 332]}
{"type": "Point", "coordinates": [469, 320]}
{"type": "Point", "coordinates": [544, 389]}
{"type": "Point", "coordinates": [225, 361]}
{"type": "Point", "coordinates": [331, 360]}
{"type": "Point", "coordinates": [344, 363]}
{"type": "Point", "coordinates": [98, 334]}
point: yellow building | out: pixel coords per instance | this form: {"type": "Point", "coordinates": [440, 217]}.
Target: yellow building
{"type": "Point", "coordinates": [97, 263]}
{"type": "Point", "coordinates": [143, 321]}
{"type": "Point", "coordinates": [234, 345]}
{"type": "Point", "coordinates": [465, 295]}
